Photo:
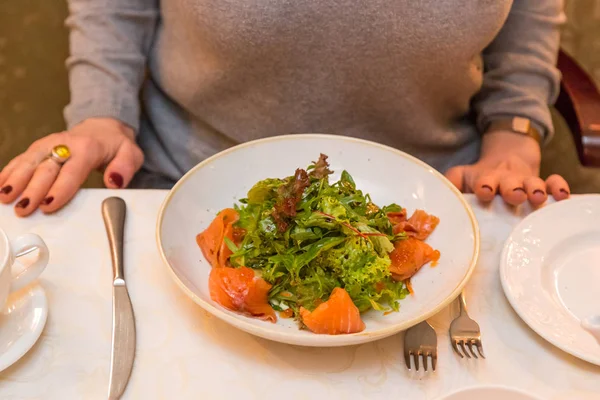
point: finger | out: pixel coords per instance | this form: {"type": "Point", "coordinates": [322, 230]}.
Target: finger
{"type": "Point", "coordinates": [512, 189]}
{"type": "Point", "coordinates": [456, 175]}
{"type": "Point", "coordinates": [559, 188]}
{"type": "Point", "coordinates": [19, 177]}
{"type": "Point", "coordinates": [15, 176]}
{"type": "Point", "coordinates": [486, 187]}
{"type": "Point", "coordinates": [70, 178]}
{"type": "Point", "coordinates": [6, 171]}
{"type": "Point", "coordinates": [121, 169]}
{"type": "Point", "coordinates": [43, 178]}
{"type": "Point", "coordinates": [536, 190]}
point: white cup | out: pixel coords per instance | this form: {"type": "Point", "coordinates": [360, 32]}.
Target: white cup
{"type": "Point", "coordinates": [11, 278]}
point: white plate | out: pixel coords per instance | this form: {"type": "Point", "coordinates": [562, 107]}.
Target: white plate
{"type": "Point", "coordinates": [387, 174]}
{"type": "Point", "coordinates": [21, 323]}
{"type": "Point", "coordinates": [550, 272]}
{"type": "Point", "coordinates": [489, 393]}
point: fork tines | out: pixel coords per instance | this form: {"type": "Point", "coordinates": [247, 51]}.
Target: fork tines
{"type": "Point", "coordinates": [415, 356]}
{"type": "Point", "coordinates": [469, 345]}
{"type": "Point", "coordinates": [465, 333]}
{"type": "Point", "coordinates": [420, 341]}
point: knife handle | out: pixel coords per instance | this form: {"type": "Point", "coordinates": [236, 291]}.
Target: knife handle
{"type": "Point", "coordinates": [113, 212]}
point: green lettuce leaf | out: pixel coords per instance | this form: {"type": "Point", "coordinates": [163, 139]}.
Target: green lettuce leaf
{"type": "Point", "coordinates": [307, 236]}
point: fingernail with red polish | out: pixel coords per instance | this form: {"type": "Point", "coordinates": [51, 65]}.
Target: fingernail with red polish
{"type": "Point", "coordinates": [116, 179]}
{"type": "Point", "coordinates": [488, 187]}
{"type": "Point", "coordinates": [23, 203]}
{"type": "Point", "coordinates": [539, 191]}
{"type": "Point", "coordinates": [519, 189]}
{"type": "Point", "coordinates": [6, 189]}
{"type": "Point", "coordinates": [47, 200]}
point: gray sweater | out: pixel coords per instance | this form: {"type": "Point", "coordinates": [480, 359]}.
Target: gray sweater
{"type": "Point", "coordinates": [422, 76]}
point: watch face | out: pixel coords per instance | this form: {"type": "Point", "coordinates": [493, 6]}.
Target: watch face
{"type": "Point", "coordinates": [520, 124]}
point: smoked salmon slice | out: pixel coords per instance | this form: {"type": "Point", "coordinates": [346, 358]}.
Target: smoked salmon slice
{"type": "Point", "coordinates": [397, 217]}
{"type": "Point", "coordinates": [211, 240]}
{"type": "Point", "coordinates": [224, 251]}
{"type": "Point", "coordinates": [238, 289]}
{"type": "Point", "coordinates": [338, 315]}
{"type": "Point", "coordinates": [419, 225]}
{"type": "Point", "coordinates": [409, 256]}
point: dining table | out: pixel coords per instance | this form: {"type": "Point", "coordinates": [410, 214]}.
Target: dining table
{"type": "Point", "coordinates": [183, 352]}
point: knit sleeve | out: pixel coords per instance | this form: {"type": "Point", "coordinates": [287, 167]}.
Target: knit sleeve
{"type": "Point", "coordinates": [521, 78]}
{"type": "Point", "coordinates": [109, 42]}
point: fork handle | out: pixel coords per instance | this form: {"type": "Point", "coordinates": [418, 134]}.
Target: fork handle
{"type": "Point", "coordinates": [463, 303]}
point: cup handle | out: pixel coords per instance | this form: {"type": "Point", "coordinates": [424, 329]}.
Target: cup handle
{"type": "Point", "coordinates": [22, 245]}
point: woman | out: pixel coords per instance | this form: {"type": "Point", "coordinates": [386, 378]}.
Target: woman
{"type": "Point", "coordinates": [464, 85]}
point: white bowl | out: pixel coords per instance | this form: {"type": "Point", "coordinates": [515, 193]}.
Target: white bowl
{"type": "Point", "coordinates": [387, 174]}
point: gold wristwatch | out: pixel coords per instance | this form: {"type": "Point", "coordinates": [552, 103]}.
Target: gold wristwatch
{"type": "Point", "coordinates": [518, 125]}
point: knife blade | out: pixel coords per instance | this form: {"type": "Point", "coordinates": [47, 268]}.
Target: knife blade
{"type": "Point", "coordinates": [123, 324]}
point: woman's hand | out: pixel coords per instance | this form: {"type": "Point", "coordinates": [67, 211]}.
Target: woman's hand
{"type": "Point", "coordinates": [94, 143]}
{"type": "Point", "coordinates": [509, 165]}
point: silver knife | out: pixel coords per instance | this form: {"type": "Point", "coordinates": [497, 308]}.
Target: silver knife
{"type": "Point", "coordinates": [123, 333]}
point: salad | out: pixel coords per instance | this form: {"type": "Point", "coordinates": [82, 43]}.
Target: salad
{"type": "Point", "coordinates": [318, 251]}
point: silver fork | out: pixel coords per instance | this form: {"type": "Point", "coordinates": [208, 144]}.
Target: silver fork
{"type": "Point", "coordinates": [420, 340]}
{"type": "Point", "coordinates": [465, 333]}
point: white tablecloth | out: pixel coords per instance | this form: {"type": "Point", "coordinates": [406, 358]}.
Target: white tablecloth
{"type": "Point", "coordinates": [185, 353]}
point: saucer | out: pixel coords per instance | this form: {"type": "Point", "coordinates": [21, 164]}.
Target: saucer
{"type": "Point", "coordinates": [550, 273]}
{"type": "Point", "coordinates": [21, 323]}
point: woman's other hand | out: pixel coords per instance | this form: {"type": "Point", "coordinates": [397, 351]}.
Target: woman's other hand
{"type": "Point", "coordinates": [509, 165]}
{"type": "Point", "coordinates": [36, 181]}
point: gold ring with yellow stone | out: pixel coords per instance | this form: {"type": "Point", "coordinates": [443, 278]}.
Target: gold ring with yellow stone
{"type": "Point", "coordinates": [60, 154]}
